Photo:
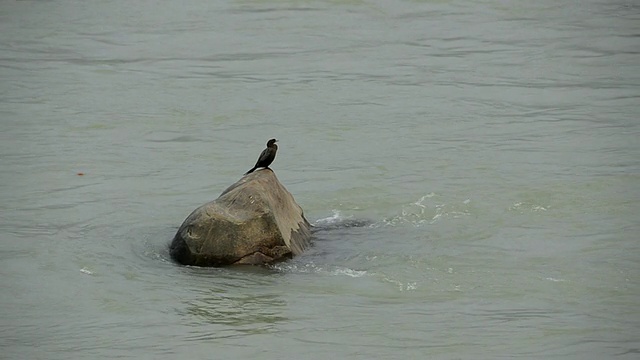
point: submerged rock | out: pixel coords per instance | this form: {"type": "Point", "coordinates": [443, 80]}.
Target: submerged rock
{"type": "Point", "coordinates": [254, 221]}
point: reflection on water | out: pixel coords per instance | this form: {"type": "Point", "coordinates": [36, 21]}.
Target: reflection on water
{"type": "Point", "coordinates": [238, 315]}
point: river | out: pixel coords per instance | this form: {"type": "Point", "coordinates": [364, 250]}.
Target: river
{"type": "Point", "coordinates": [472, 169]}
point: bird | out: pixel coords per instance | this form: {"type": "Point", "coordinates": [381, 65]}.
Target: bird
{"type": "Point", "coordinates": [266, 156]}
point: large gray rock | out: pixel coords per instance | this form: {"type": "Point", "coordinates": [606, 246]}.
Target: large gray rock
{"type": "Point", "coordinates": [255, 221]}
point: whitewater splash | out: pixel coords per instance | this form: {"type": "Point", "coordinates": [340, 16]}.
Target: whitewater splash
{"type": "Point", "coordinates": [318, 269]}
{"type": "Point", "coordinates": [427, 211]}
{"type": "Point", "coordinates": [338, 221]}
{"type": "Point", "coordinates": [522, 207]}
{"type": "Point", "coordinates": [335, 218]}
{"type": "Point", "coordinates": [402, 286]}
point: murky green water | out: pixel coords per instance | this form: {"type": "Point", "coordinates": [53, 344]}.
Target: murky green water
{"type": "Point", "coordinates": [490, 147]}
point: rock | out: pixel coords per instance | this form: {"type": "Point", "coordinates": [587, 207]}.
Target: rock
{"type": "Point", "coordinates": [254, 221]}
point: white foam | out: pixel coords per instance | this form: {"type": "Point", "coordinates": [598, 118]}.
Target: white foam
{"type": "Point", "coordinates": [313, 268]}
{"type": "Point", "coordinates": [409, 286]}
{"type": "Point", "coordinates": [349, 272]}
{"type": "Point", "coordinates": [337, 216]}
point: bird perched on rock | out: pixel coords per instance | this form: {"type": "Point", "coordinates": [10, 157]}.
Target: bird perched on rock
{"type": "Point", "coordinates": [266, 156]}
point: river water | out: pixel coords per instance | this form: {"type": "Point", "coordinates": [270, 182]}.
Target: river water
{"type": "Point", "coordinates": [472, 167]}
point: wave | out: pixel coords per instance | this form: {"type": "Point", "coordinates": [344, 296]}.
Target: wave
{"type": "Point", "coordinates": [311, 267]}
{"type": "Point", "coordinates": [339, 221]}
{"type": "Point", "coordinates": [428, 209]}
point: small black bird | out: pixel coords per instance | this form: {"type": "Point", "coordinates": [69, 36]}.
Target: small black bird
{"type": "Point", "coordinates": [267, 156]}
